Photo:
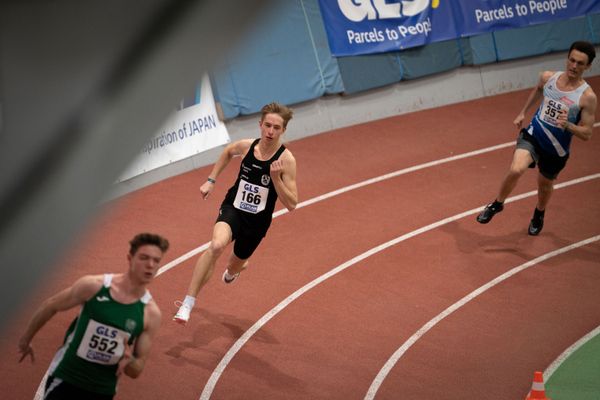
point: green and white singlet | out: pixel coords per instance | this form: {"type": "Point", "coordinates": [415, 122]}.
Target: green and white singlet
{"type": "Point", "coordinates": [94, 342]}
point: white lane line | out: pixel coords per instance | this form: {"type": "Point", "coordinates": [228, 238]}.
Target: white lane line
{"type": "Point", "coordinates": [429, 325]}
{"type": "Point", "coordinates": [212, 381]}
{"type": "Point", "coordinates": [568, 352]}
{"type": "Point", "coordinates": [193, 252]}
{"type": "Point", "coordinates": [398, 173]}
{"type": "Point", "coordinates": [358, 185]}
{"type": "Point", "coordinates": [197, 250]}
{"type": "Point", "coordinates": [345, 189]}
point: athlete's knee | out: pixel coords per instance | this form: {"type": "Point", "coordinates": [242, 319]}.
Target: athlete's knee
{"type": "Point", "coordinates": [545, 187]}
{"type": "Point", "coordinates": [216, 247]}
{"type": "Point", "coordinates": [520, 162]}
{"type": "Point", "coordinates": [517, 169]}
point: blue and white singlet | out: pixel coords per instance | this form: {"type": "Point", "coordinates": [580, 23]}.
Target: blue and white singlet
{"type": "Point", "coordinates": [544, 126]}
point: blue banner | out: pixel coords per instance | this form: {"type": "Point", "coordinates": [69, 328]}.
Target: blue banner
{"type": "Point", "coordinates": [479, 16]}
{"type": "Point", "coordinates": [377, 26]}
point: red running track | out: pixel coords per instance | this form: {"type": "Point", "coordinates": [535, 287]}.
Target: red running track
{"type": "Point", "coordinates": [332, 341]}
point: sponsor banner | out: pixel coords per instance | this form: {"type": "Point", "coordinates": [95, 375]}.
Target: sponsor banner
{"type": "Point", "coordinates": [186, 132]}
{"type": "Point", "coordinates": [480, 16]}
{"type": "Point", "coordinates": [376, 26]}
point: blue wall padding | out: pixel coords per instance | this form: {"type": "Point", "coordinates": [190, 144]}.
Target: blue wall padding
{"type": "Point", "coordinates": [286, 58]}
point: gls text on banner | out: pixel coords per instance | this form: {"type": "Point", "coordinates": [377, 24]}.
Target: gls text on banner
{"type": "Point", "coordinates": [186, 132]}
{"type": "Point", "coordinates": [376, 26]}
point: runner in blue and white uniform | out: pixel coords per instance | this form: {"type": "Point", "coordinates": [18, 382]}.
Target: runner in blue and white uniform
{"type": "Point", "coordinates": [567, 109]}
{"type": "Point", "coordinates": [267, 173]}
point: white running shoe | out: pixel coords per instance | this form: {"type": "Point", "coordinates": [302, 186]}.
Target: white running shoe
{"type": "Point", "coordinates": [183, 314]}
{"type": "Point", "coordinates": [227, 278]}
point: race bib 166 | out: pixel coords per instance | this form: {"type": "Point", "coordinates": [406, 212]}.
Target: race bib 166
{"type": "Point", "coordinates": [251, 198]}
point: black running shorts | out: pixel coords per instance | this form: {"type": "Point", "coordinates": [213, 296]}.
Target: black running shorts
{"type": "Point", "coordinates": [245, 238]}
{"type": "Point", "coordinates": [549, 164]}
{"type": "Point", "coordinates": [57, 389]}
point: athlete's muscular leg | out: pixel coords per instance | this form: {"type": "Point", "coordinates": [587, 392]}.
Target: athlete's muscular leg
{"type": "Point", "coordinates": [545, 189]}
{"type": "Point", "coordinates": [206, 263]}
{"type": "Point", "coordinates": [236, 264]}
{"type": "Point", "coordinates": [520, 162]}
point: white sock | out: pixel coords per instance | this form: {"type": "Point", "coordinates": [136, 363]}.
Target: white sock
{"type": "Point", "coordinates": [190, 301]}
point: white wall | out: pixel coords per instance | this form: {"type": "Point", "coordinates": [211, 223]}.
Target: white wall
{"type": "Point", "coordinates": [337, 111]}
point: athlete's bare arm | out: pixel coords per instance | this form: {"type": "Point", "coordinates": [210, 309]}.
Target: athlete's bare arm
{"type": "Point", "coordinates": [134, 364]}
{"type": "Point", "coordinates": [583, 130]}
{"type": "Point", "coordinates": [237, 148]}
{"type": "Point", "coordinates": [534, 97]}
{"type": "Point", "coordinates": [283, 174]}
{"type": "Point", "coordinates": [81, 291]}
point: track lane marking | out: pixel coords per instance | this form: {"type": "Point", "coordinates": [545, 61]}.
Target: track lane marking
{"type": "Point", "coordinates": [196, 251]}
{"type": "Point", "coordinates": [349, 188]}
{"type": "Point", "coordinates": [387, 367]}
{"type": "Point", "coordinates": [172, 264]}
{"type": "Point", "coordinates": [568, 352]}
{"type": "Point", "coordinates": [345, 189]}
{"type": "Point", "coordinates": [218, 371]}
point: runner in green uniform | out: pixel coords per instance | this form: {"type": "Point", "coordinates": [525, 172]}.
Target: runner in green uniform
{"type": "Point", "coordinates": [113, 332]}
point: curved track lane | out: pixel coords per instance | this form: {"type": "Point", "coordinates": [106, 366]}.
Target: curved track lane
{"type": "Point", "coordinates": [332, 341]}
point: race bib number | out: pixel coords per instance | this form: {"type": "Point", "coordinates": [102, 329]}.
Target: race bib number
{"type": "Point", "coordinates": [102, 344]}
{"type": "Point", "coordinates": [551, 109]}
{"type": "Point", "coordinates": [251, 198]}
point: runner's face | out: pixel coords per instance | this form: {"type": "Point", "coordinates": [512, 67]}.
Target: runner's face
{"type": "Point", "coordinates": [577, 63]}
{"type": "Point", "coordinates": [145, 262]}
{"type": "Point", "coordinates": [271, 127]}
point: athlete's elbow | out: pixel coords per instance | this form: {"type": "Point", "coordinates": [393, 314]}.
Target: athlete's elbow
{"type": "Point", "coordinates": [134, 368]}
{"type": "Point", "coordinates": [291, 205]}
{"type": "Point", "coordinates": [585, 136]}
{"type": "Point", "coordinates": [133, 373]}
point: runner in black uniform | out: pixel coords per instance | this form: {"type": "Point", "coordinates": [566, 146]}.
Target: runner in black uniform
{"type": "Point", "coordinates": [267, 173]}
{"type": "Point", "coordinates": [249, 204]}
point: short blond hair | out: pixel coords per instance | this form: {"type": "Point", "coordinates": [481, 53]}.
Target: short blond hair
{"type": "Point", "coordinates": [284, 112]}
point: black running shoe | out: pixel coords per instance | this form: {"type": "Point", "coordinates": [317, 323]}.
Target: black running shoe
{"type": "Point", "coordinates": [489, 211]}
{"type": "Point", "coordinates": [536, 224]}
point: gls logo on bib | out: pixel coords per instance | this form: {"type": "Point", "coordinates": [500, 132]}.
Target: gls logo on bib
{"type": "Point", "coordinates": [358, 10]}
